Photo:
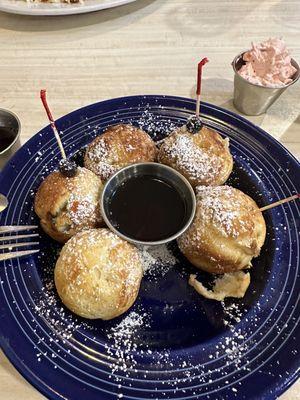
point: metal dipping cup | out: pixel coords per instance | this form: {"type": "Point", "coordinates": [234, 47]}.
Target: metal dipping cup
{"type": "Point", "coordinates": [252, 99]}
{"type": "Point", "coordinates": [9, 121]}
{"type": "Point", "coordinates": [159, 171]}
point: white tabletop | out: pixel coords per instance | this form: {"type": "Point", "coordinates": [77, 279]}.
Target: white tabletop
{"type": "Point", "coordinates": [146, 47]}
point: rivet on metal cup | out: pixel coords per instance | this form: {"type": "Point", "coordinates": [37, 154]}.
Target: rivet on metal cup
{"type": "Point", "coordinates": [252, 99]}
{"type": "Point", "coordinates": [10, 129]}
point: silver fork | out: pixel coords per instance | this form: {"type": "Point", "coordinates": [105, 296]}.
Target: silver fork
{"type": "Point", "coordinates": [6, 237]}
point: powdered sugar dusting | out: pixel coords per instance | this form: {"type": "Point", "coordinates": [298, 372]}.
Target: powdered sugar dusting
{"type": "Point", "coordinates": [234, 344]}
{"type": "Point", "coordinates": [81, 208]}
{"type": "Point", "coordinates": [98, 159]}
{"type": "Point", "coordinates": [157, 259]}
{"type": "Point", "coordinates": [156, 126]}
{"type": "Point", "coordinates": [124, 338]}
{"type": "Point", "coordinates": [190, 158]}
{"type": "Point", "coordinates": [223, 206]}
{"type": "Point", "coordinates": [62, 323]}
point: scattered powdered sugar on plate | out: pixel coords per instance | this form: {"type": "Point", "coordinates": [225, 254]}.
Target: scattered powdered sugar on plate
{"type": "Point", "coordinates": [234, 344]}
{"type": "Point", "coordinates": [156, 125]}
{"type": "Point", "coordinates": [124, 338]}
{"type": "Point", "coordinates": [157, 260]}
{"type": "Point", "coordinates": [47, 307]}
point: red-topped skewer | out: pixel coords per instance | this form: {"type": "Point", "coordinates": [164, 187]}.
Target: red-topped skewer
{"type": "Point", "coordinates": [52, 123]}
{"type": "Point", "coordinates": [67, 167]}
{"type": "Point", "coordinates": [199, 84]}
{"type": "Point", "coordinates": [194, 124]}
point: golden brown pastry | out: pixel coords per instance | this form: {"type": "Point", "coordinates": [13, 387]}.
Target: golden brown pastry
{"type": "Point", "coordinates": [68, 205]}
{"type": "Point", "coordinates": [227, 232]}
{"type": "Point", "coordinates": [203, 158]}
{"type": "Point", "coordinates": [98, 274]}
{"type": "Point", "coordinates": [117, 147]}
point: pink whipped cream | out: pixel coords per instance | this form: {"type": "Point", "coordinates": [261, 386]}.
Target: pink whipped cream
{"type": "Point", "coordinates": [268, 64]}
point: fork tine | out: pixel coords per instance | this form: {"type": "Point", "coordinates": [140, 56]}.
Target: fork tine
{"type": "Point", "coordinates": [16, 254]}
{"type": "Point", "coordinates": [13, 245]}
{"type": "Point", "coordinates": [8, 238]}
{"type": "Point", "coordinates": [4, 229]}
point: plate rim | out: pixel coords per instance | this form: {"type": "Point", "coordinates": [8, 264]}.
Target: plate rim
{"type": "Point", "coordinates": [53, 10]}
{"type": "Point", "coordinates": [232, 114]}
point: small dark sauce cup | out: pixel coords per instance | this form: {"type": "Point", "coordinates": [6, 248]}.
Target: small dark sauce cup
{"type": "Point", "coordinates": [173, 179]}
{"type": "Point", "coordinates": [10, 128]}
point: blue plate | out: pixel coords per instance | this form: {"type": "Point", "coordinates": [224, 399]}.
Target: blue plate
{"type": "Point", "coordinates": [186, 347]}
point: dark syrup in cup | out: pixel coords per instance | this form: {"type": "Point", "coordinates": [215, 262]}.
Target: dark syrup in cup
{"type": "Point", "coordinates": [148, 203]}
{"type": "Point", "coordinates": [147, 208]}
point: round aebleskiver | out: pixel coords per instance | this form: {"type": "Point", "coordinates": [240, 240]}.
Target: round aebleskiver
{"type": "Point", "coordinates": [98, 274]}
{"type": "Point", "coordinates": [227, 232]}
{"type": "Point", "coordinates": [119, 146]}
{"type": "Point", "coordinates": [203, 158]}
{"type": "Point", "coordinates": [66, 206]}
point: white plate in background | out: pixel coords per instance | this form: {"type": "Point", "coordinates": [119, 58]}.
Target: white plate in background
{"type": "Point", "coordinates": [36, 8]}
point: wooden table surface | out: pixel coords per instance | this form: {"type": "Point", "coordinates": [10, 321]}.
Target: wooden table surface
{"type": "Point", "coordinates": [147, 47]}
